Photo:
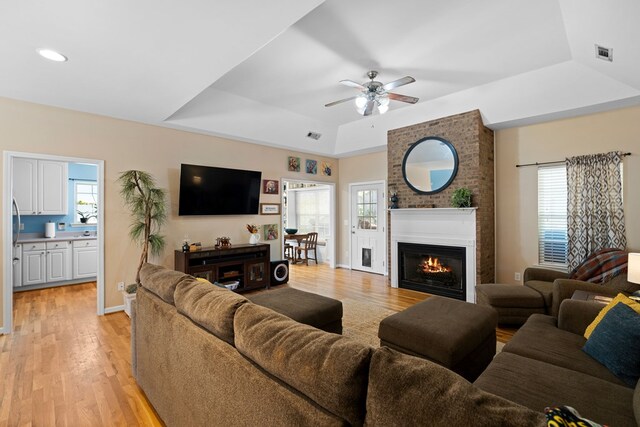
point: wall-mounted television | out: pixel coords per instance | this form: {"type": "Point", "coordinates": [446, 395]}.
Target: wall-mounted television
{"type": "Point", "coordinates": [206, 190]}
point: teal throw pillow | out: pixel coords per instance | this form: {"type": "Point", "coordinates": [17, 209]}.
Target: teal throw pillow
{"type": "Point", "coordinates": [615, 343]}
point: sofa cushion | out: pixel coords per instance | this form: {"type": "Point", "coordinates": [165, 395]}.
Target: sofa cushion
{"type": "Point", "coordinates": [540, 339]}
{"type": "Point", "coordinates": [403, 387]}
{"type": "Point", "coordinates": [616, 343]}
{"type": "Point", "coordinates": [545, 289]}
{"type": "Point", "coordinates": [161, 281]}
{"type": "Point", "coordinates": [209, 306]}
{"type": "Point", "coordinates": [537, 385]}
{"type": "Point", "coordinates": [619, 298]}
{"type": "Point", "coordinates": [330, 369]}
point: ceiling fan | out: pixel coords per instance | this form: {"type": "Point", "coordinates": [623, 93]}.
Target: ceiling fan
{"type": "Point", "coordinates": [374, 94]}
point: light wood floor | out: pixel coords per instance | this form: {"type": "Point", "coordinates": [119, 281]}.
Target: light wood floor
{"type": "Point", "coordinates": [65, 366]}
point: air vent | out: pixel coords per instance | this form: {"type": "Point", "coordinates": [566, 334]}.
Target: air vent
{"type": "Point", "coordinates": [604, 53]}
{"type": "Point", "coordinates": [314, 135]}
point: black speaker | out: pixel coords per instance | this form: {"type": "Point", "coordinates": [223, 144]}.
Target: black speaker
{"type": "Point", "coordinates": [279, 272]}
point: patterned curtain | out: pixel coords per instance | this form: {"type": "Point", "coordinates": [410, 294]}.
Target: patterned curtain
{"type": "Point", "coordinates": [595, 215]}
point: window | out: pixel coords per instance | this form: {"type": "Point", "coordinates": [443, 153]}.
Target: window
{"type": "Point", "coordinates": [552, 216]}
{"type": "Point", "coordinates": [312, 211]}
{"type": "Point", "coordinates": [86, 202]}
{"type": "Point", "coordinates": [367, 205]}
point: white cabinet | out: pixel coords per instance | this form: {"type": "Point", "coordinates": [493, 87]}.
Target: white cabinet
{"type": "Point", "coordinates": [40, 186]}
{"type": "Point", "coordinates": [85, 259]}
{"type": "Point", "coordinates": [25, 185]}
{"type": "Point", "coordinates": [58, 261]}
{"type": "Point", "coordinates": [34, 264]}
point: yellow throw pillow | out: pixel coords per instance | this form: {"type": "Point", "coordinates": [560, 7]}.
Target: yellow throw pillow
{"type": "Point", "coordinates": [620, 298]}
{"type": "Point", "coordinates": [202, 279]}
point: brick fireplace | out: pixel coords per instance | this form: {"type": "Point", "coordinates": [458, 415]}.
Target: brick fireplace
{"type": "Point", "coordinates": [474, 145]}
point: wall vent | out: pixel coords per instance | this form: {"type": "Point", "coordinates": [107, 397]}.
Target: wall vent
{"type": "Point", "coordinates": [314, 135]}
{"type": "Point", "coordinates": [604, 53]}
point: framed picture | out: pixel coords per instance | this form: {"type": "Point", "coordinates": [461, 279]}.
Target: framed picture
{"type": "Point", "coordinates": [294, 164]}
{"type": "Point", "coordinates": [269, 208]}
{"type": "Point", "coordinates": [270, 186]}
{"type": "Point", "coordinates": [270, 231]}
{"type": "Point", "coordinates": [312, 166]}
{"type": "Point", "coordinates": [326, 168]}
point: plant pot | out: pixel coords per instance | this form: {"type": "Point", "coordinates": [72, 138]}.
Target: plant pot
{"type": "Point", "coordinates": [128, 301]}
{"type": "Point", "coordinates": [84, 220]}
{"type": "Point", "coordinates": [254, 239]}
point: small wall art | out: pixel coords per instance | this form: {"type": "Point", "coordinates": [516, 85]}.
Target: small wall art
{"type": "Point", "coordinates": [326, 168]}
{"type": "Point", "coordinates": [270, 231]}
{"type": "Point", "coordinates": [270, 186]}
{"type": "Point", "coordinates": [312, 166]}
{"type": "Point", "coordinates": [269, 208]}
{"type": "Point", "coordinates": [294, 164]}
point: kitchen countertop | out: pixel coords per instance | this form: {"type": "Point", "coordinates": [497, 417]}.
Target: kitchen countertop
{"type": "Point", "coordinates": [60, 237]}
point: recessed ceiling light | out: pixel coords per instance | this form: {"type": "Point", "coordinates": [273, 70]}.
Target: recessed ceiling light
{"type": "Point", "coordinates": [52, 55]}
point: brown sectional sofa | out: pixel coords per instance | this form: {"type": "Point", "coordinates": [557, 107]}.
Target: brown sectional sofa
{"type": "Point", "coordinates": [206, 356]}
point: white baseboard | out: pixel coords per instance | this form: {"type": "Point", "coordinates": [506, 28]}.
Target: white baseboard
{"type": "Point", "coordinates": [343, 266]}
{"type": "Point", "coordinates": [115, 309]}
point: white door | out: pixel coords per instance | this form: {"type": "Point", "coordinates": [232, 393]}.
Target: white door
{"type": "Point", "coordinates": [368, 238]}
{"type": "Point", "coordinates": [52, 187]}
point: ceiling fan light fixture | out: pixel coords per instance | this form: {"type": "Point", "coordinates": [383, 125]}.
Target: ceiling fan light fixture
{"type": "Point", "coordinates": [383, 108]}
{"type": "Point", "coordinates": [361, 102]}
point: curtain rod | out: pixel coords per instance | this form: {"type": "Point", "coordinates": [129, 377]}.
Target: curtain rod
{"type": "Point", "coordinates": [556, 162]}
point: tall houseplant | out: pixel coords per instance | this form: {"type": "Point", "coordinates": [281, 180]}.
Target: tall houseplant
{"type": "Point", "coordinates": [148, 212]}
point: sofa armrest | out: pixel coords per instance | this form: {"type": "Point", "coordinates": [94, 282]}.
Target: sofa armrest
{"type": "Point", "coordinates": [543, 274]}
{"type": "Point", "coordinates": [564, 288]}
{"type": "Point", "coordinates": [134, 354]}
{"type": "Point", "coordinates": [575, 316]}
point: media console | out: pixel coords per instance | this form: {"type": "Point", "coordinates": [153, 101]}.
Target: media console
{"type": "Point", "coordinates": [247, 264]}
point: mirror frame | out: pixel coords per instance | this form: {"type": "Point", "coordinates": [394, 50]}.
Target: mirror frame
{"type": "Point", "coordinates": [455, 164]}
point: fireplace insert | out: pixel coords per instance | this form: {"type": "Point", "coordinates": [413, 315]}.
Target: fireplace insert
{"type": "Point", "coordinates": [438, 270]}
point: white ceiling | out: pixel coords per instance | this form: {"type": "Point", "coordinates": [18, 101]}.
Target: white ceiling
{"type": "Point", "coordinates": [247, 71]}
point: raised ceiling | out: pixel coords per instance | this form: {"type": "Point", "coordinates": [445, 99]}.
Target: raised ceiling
{"type": "Point", "coordinates": [253, 72]}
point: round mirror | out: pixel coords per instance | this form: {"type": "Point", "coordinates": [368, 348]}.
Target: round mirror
{"type": "Point", "coordinates": [430, 165]}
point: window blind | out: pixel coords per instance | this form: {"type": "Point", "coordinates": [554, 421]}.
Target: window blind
{"type": "Point", "coordinates": [552, 216]}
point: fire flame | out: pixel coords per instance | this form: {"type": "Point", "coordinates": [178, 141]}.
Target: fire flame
{"type": "Point", "coordinates": [432, 265]}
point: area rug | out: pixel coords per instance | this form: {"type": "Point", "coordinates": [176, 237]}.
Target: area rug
{"type": "Point", "coordinates": [360, 321]}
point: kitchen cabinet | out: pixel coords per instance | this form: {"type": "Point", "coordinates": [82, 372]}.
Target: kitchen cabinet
{"type": "Point", "coordinates": [17, 265]}
{"type": "Point", "coordinates": [85, 259]}
{"type": "Point", "coordinates": [34, 263]}
{"type": "Point", "coordinates": [40, 186]}
{"type": "Point", "coordinates": [58, 263]}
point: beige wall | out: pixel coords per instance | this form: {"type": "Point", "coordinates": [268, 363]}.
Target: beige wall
{"type": "Point", "coordinates": [364, 168]}
{"type": "Point", "coordinates": [127, 145]}
{"type": "Point", "coordinates": [516, 188]}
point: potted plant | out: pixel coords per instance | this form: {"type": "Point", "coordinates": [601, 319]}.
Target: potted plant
{"type": "Point", "coordinates": [147, 206]}
{"type": "Point", "coordinates": [85, 215]}
{"type": "Point", "coordinates": [129, 297]}
{"type": "Point", "coordinates": [461, 198]}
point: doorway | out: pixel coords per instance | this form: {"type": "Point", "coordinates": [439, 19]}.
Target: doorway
{"type": "Point", "coordinates": [52, 264]}
{"type": "Point", "coordinates": [309, 206]}
{"type": "Point", "coordinates": [368, 222]}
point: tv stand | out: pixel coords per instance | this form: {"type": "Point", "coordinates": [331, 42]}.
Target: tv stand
{"type": "Point", "coordinates": [247, 264]}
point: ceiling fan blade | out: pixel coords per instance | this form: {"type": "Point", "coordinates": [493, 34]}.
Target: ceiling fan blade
{"type": "Point", "coordinates": [369, 109]}
{"type": "Point", "coordinates": [400, 82]}
{"type": "Point", "coordinates": [403, 98]}
{"type": "Point", "coordinates": [331, 104]}
{"type": "Point", "coordinates": [351, 83]}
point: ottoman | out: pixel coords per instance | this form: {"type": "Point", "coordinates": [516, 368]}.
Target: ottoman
{"type": "Point", "coordinates": [514, 303]}
{"type": "Point", "coordinates": [455, 334]}
{"type": "Point", "coordinates": [304, 307]}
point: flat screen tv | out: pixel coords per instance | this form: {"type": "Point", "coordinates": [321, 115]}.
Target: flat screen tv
{"type": "Point", "coordinates": [206, 190]}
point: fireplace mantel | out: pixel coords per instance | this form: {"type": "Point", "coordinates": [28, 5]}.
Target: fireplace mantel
{"type": "Point", "coordinates": [436, 226]}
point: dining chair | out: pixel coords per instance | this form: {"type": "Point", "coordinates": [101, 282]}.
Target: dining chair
{"type": "Point", "coordinates": [309, 245]}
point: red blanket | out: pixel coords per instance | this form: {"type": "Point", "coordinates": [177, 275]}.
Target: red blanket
{"type": "Point", "coordinates": [601, 266]}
